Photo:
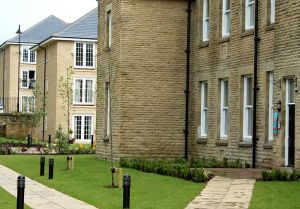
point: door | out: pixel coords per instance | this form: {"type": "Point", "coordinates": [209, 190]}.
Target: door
{"type": "Point", "coordinates": [290, 124]}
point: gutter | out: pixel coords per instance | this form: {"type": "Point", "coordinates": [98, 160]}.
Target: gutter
{"type": "Point", "coordinates": [187, 84]}
{"type": "Point", "coordinates": [44, 92]}
{"type": "Point", "coordinates": [255, 87]}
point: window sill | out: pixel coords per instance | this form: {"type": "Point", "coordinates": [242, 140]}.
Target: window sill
{"type": "Point", "coordinates": [224, 39]}
{"type": "Point", "coordinates": [202, 141]}
{"type": "Point", "coordinates": [268, 145]}
{"type": "Point", "coordinates": [203, 44]}
{"type": "Point", "coordinates": [84, 67]}
{"type": "Point", "coordinates": [83, 105]}
{"type": "Point", "coordinates": [245, 144]}
{"type": "Point", "coordinates": [270, 26]}
{"type": "Point", "coordinates": [222, 142]}
{"type": "Point", "coordinates": [107, 49]}
{"type": "Point", "coordinates": [248, 32]}
{"type": "Point", "coordinates": [106, 139]}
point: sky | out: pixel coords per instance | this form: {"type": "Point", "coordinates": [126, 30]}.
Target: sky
{"type": "Point", "coordinates": [29, 12]}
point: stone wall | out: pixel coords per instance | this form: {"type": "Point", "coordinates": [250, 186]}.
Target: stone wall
{"type": "Point", "coordinates": [12, 127]}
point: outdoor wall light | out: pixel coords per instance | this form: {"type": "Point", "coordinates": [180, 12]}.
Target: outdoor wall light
{"type": "Point", "coordinates": [279, 106]}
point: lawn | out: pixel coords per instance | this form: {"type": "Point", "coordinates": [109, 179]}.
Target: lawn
{"type": "Point", "coordinates": [8, 201]}
{"type": "Point", "coordinates": [271, 195]}
{"type": "Point", "coordinates": [88, 180]}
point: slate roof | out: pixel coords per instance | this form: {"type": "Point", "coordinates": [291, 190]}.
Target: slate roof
{"type": "Point", "coordinates": [85, 27]}
{"type": "Point", "coordinates": [40, 31]}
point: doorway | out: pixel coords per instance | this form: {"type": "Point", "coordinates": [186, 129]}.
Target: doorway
{"type": "Point", "coordinates": [290, 124]}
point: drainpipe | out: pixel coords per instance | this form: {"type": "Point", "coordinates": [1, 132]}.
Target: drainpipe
{"type": "Point", "coordinates": [44, 92]}
{"type": "Point", "coordinates": [255, 87]}
{"type": "Point", "coordinates": [187, 84]}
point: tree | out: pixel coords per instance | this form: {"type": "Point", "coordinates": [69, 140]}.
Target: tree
{"type": "Point", "coordinates": [65, 89]}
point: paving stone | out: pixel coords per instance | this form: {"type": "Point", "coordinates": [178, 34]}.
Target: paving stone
{"type": "Point", "coordinates": [224, 193]}
{"type": "Point", "coordinates": [38, 196]}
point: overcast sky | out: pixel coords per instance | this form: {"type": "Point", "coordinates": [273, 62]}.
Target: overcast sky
{"type": "Point", "coordinates": [29, 12]}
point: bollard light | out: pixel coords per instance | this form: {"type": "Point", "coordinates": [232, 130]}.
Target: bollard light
{"type": "Point", "coordinates": [51, 165]}
{"type": "Point", "coordinates": [92, 141]}
{"type": "Point", "coordinates": [42, 166]}
{"type": "Point", "coordinates": [126, 191]}
{"type": "Point", "coordinates": [49, 140]}
{"type": "Point", "coordinates": [20, 192]}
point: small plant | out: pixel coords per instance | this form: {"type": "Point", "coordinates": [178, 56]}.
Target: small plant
{"type": "Point", "coordinates": [280, 175]}
{"type": "Point", "coordinates": [61, 140]}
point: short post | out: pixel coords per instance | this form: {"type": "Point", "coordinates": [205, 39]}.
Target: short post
{"type": "Point", "coordinates": [49, 141]}
{"type": "Point", "coordinates": [51, 165]}
{"type": "Point", "coordinates": [20, 192]}
{"type": "Point", "coordinates": [126, 191]}
{"type": "Point", "coordinates": [70, 162]}
{"type": "Point", "coordinates": [42, 166]}
{"type": "Point", "coordinates": [92, 141]}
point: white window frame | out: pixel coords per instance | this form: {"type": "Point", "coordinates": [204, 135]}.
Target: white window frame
{"type": "Point", "coordinates": [27, 110]}
{"type": "Point", "coordinates": [205, 21]}
{"type": "Point", "coordinates": [84, 55]}
{"type": "Point", "coordinates": [224, 110]}
{"type": "Point", "coordinates": [226, 24]}
{"type": "Point", "coordinates": [272, 11]}
{"type": "Point", "coordinates": [270, 105]}
{"type": "Point", "coordinates": [247, 109]}
{"type": "Point", "coordinates": [249, 4]}
{"type": "Point", "coordinates": [28, 80]}
{"type": "Point", "coordinates": [84, 91]}
{"type": "Point", "coordinates": [82, 125]}
{"type": "Point", "coordinates": [27, 47]}
{"type": "Point", "coordinates": [204, 110]}
{"type": "Point", "coordinates": [107, 109]}
{"type": "Point", "coordinates": [109, 28]}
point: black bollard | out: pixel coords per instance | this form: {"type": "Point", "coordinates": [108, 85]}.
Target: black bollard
{"type": "Point", "coordinates": [51, 165]}
{"type": "Point", "coordinates": [126, 191]}
{"type": "Point", "coordinates": [92, 141]}
{"type": "Point", "coordinates": [20, 193]}
{"type": "Point", "coordinates": [49, 140]}
{"type": "Point", "coordinates": [42, 166]}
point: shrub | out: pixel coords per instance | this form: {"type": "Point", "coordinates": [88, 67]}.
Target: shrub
{"type": "Point", "coordinates": [61, 141]}
{"type": "Point", "coordinates": [280, 175]}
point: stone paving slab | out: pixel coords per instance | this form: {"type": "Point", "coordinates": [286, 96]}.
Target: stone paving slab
{"type": "Point", "coordinates": [39, 196]}
{"type": "Point", "coordinates": [224, 193]}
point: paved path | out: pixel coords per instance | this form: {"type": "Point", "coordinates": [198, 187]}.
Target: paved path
{"type": "Point", "coordinates": [38, 196]}
{"type": "Point", "coordinates": [224, 193]}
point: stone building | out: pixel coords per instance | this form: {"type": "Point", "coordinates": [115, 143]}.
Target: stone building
{"type": "Point", "coordinates": [68, 58]}
{"type": "Point", "coordinates": [9, 60]}
{"type": "Point", "coordinates": [155, 58]}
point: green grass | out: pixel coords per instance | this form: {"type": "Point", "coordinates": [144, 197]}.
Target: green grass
{"type": "Point", "coordinates": [90, 176]}
{"type": "Point", "coordinates": [276, 195]}
{"type": "Point", "coordinates": [8, 201]}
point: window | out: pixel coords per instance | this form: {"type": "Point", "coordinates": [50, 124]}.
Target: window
{"type": "Point", "coordinates": [226, 18]}
{"type": "Point", "coordinates": [27, 55]}
{"type": "Point", "coordinates": [248, 95]}
{"type": "Point", "coordinates": [107, 110]}
{"type": "Point", "coordinates": [203, 110]}
{"type": "Point", "coordinates": [205, 21]}
{"type": "Point", "coordinates": [224, 109]}
{"type": "Point", "coordinates": [27, 104]}
{"type": "Point", "coordinates": [84, 91]}
{"type": "Point", "coordinates": [82, 126]}
{"type": "Point", "coordinates": [270, 106]}
{"type": "Point", "coordinates": [84, 55]}
{"type": "Point", "coordinates": [272, 11]}
{"type": "Point", "coordinates": [108, 29]}
{"type": "Point", "coordinates": [28, 79]}
{"type": "Point", "coordinates": [249, 14]}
